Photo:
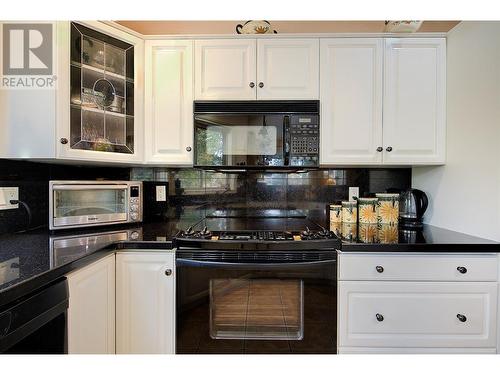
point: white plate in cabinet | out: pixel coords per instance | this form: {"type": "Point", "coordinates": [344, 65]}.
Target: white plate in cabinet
{"type": "Point", "coordinates": [417, 314]}
{"type": "Point", "coordinates": [169, 102]}
{"type": "Point", "coordinates": [351, 100]}
{"type": "Point", "coordinates": [287, 69]}
{"type": "Point", "coordinates": [225, 69]}
{"type": "Point", "coordinates": [415, 101]}
{"type": "Point", "coordinates": [418, 267]}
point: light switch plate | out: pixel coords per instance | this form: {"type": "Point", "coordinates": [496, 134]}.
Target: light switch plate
{"type": "Point", "coordinates": [161, 193]}
{"type": "Point", "coordinates": [353, 192]}
{"type": "Point", "coordinates": [6, 195]}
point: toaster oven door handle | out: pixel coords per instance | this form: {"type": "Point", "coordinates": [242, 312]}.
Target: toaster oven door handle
{"type": "Point", "coordinates": [89, 187]}
{"type": "Point", "coordinates": [260, 265]}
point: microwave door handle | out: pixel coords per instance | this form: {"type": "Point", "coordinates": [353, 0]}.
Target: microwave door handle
{"type": "Point", "coordinates": [286, 143]}
{"type": "Point", "coordinates": [263, 265]}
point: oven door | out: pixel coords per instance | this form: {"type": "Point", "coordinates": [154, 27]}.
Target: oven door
{"type": "Point", "coordinates": [239, 140]}
{"type": "Point", "coordinates": [85, 205]}
{"type": "Point", "coordinates": [258, 302]}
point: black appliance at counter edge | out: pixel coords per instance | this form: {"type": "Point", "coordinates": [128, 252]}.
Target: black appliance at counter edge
{"type": "Point", "coordinates": [256, 134]}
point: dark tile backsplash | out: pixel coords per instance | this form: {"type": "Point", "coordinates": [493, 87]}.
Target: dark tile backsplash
{"type": "Point", "coordinates": [195, 188]}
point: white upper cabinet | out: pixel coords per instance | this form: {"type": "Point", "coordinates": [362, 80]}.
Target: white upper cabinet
{"type": "Point", "coordinates": [287, 69]}
{"type": "Point", "coordinates": [145, 302]}
{"type": "Point", "coordinates": [93, 111]}
{"type": "Point", "coordinates": [351, 101]}
{"type": "Point", "coordinates": [414, 101]}
{"type": "Point", "coordinates": [169, 104]}
{"type": "Point", "coordinates": [225, 69]}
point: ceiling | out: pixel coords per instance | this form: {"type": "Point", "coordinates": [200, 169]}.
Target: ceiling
{"type": "Point", "coordinates": [228, 27]}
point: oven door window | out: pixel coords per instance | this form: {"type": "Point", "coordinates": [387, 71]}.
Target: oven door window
{"type": "Point", "coordinates": [239, 140]}
{"type": "Point", "coordinates": [78, 206]}
{"type": "Point", "coordinates": [256, 309]}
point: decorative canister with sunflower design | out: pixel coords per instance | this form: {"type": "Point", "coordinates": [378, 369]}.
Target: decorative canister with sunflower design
{"type": "Point", "coordinates": [388, 233]}
{"type": "Point", "coordinates": [335, 213]}
{"type": "Point", "coordinates": [367, 210]}
{"type": "Point", "coordinates": [349, 232]}
{"type": "Point", "coordinates": [388, 208]}
{"type": "Point", "coordinates": [368, 233]}
{"type": "Point", "coordinates": [349, 212]}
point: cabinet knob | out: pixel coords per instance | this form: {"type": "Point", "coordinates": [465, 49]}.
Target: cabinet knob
{"type": "Point", "coordinates": [261, 84]}
{"type": "Point", "coordinates": [462, 318]}
{"type": "Point", "coordinates": [379, 269]}
{"type": "Point", "coordinates": [388, 149]}
{"type": "Point", "coordinates": [64, 141]}
{"type": "Point", "coordinates": [252, 85]}
{"type": "Point", "coordinates": [380, 149]}
{"type": "Point", "coordinates": [379, 317]}
{"type": "Point", "coordinates": [462, 269]}
{"type": "Point", "coordinates": [188, 149]}
{"type": "Point", "coordinates": [168, 272]}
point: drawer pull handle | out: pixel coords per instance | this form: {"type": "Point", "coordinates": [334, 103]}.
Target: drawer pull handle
{"type": "Point", "coordinates": [462, 269]}
{"type": "Point", "coordinates": [462, 318]}
{"type": "Point", "coordinates": [379, 317]}
{"type": "Point", "coordinates": [379, 269]}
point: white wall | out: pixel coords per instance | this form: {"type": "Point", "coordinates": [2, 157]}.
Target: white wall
{"type": "Point", "coordinates": [465, 193]}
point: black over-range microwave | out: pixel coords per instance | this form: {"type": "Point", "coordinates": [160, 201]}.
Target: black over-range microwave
{"type": "Point", "coordinates": [256, 134]}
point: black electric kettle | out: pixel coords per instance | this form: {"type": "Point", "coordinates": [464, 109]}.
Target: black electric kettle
{"type": "Point", "coordinates": [412, 206]}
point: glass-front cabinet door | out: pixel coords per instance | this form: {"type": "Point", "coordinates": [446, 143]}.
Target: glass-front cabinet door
{"type": "Point", "coordinates": [103, 89]}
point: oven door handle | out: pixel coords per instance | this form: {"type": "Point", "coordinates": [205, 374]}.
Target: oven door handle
{"type": "Point", "coordinates": [263, 265]}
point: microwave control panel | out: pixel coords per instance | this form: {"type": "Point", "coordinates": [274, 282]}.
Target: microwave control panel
{"type": "Point", "coordinates": [304, 140]}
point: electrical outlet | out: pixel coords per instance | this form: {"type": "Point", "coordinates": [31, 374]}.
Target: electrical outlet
{"type": "Point", "coordinates": [161, 193]}
{"type": "Point", "coordinates": [353, 192]}
{"type": "Point", "coordinates": [6, 195]}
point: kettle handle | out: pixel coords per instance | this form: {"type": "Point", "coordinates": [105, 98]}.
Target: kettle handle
{"type": "Point", "coordinates": [423, 202]}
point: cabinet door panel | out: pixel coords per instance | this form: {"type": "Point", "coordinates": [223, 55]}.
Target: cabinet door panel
{"type": "Point", "coordinates": [145, 300]}
{"type": "Point", "coordinates": [414, 101]}
{"type": "Point", "coordinates": [417, 314]}
{"type": "Point", "coordinates": [225, 69]}
{"type": "Point", "coordinates": [169, 102]}
{"type": "Point", "coordinates": [91, 313]}
{"type": "Point", "coordinates": [288, 69]}
{"type": "Point", "coordinates": [351, 101]}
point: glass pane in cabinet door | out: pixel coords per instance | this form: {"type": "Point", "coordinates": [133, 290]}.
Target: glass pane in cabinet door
{"type": "Point", "coordinates": [115, 60]}
{"type": "Point", "coordinates": [115, 129]}
{"type": "Point", "coordinates": [92, 52]}
{"type": "Point", "coordinates": [93, 127]}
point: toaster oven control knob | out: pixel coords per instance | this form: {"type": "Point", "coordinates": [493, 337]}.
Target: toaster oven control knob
{"type": "Point", "coordinates": [188, 149]}
{"type": "Point", "coordinates": [134, 216]}
{"type": "Point", "coordinates": [134, 235]}
{"type": "Point", "coordinates": [134, 207]}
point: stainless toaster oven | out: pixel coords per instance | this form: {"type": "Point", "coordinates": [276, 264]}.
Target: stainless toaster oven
{"type": "Point", "coordinates": [75, 204]}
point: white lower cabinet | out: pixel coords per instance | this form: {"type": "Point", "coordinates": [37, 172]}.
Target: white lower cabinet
{"type": "Point", "coordinates": [91, 313]}
{"type": "Point", "coordinates": [145, 302]}
{"type": "Point", "coordinates": [408, 316]}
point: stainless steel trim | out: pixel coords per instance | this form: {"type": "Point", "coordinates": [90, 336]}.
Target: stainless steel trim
{"type": "Point", "coordinates": [89, 187]}
{"type": "Point", "coordinates": [261, 265]}
{"type": "Point", "coordinates": [89, 219]}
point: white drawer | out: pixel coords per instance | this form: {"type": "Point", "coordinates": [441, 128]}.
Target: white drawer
{"type": "Point", "coordinates": [417, 314]}
{"type": "Point", "coordinates": [418, 267]}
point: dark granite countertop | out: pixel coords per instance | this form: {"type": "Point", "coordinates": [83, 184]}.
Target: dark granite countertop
{"type": "Point", "coordinates": [33, 259]}
{"type": "Point", "coordinates": [428, 239]}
